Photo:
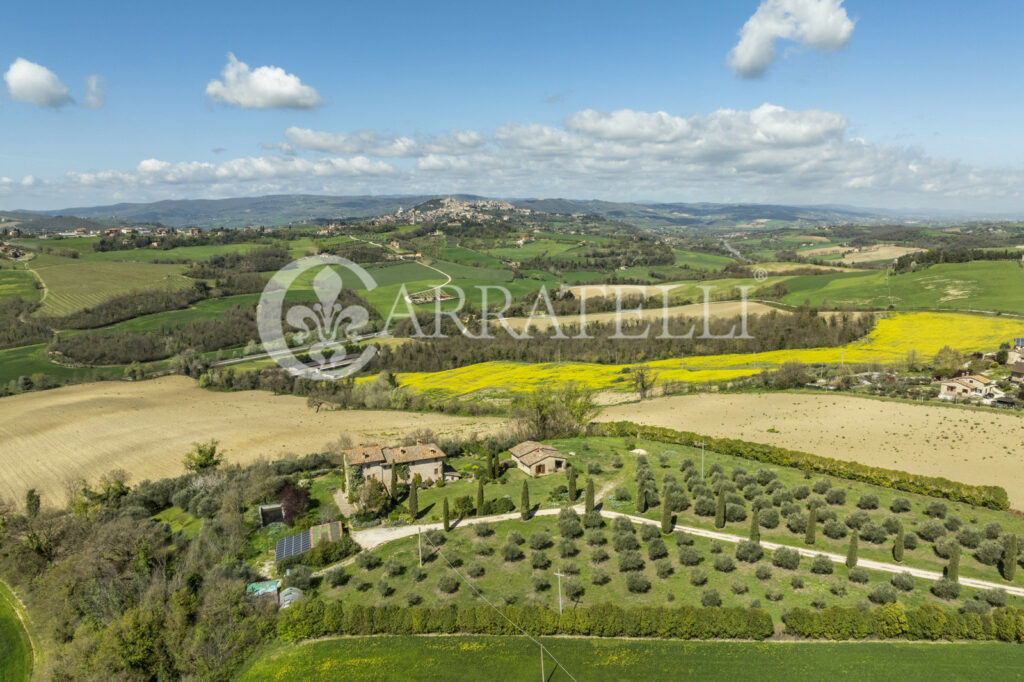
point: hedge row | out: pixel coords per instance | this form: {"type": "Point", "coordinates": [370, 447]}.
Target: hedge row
{"type": "Point", "coordinates": [928, 622]}
{"type": "Point", "coordinates": [993, 497]}
{"type": "Point", "coordinates": [315, 618]}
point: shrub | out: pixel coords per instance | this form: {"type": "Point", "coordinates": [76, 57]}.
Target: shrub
{"type": "Point", "coordinates": [797, 523]}
{"type": "Point", "coordinates": [511, 552]}
{"type": "Point", "coordinates": [992, 531]}
{"type": "Point", "coordinates": [821, 565]}
{"type": "Point", "coordinates": [834, 530]}
{"type": "Point", "coordinates": [567, 548]}
{"type": "Point", "coordinates": [763, 573]}
{"type": "Point", "coordinates": [539, 560]}
{"type": "Point", "coordinates": [630, 561]}
{"type": "Point", "coordinates": [969, 537]}
{"type": "Point", "coordinates": [739, 587]}
{"type": "Point", "coordinates": [436, 538]}
{"type": "Point", "coordinates": [946, 589]}
{"type": "Point", "coordinates": [412, 599]}
{"type": "Point", "coordinates": [636, 582]}
{"type": "Point", "coordinates": [698, 577]}
{"type": "Point", "coordinates": [683, 539]}
{"type": "Point", "coordinates": [751, 491]}
{"type": "Point", "coordinates": [945, 547]}
{"type": "Point", "coordinates": [596, 538]}
{"type": "Point", "coordinates": [882, 594]}
{"type": "Point", "coordinates": [910, 541]}
{"type": "Point", "coordinates": [570, 528]}
{"type": "Point", "coordinates": [773, 594]}
{"type": "Point", "coordinates": [539, 540]}
{"type": "Point", "coordinates": [475, 570]}
{"type": "Point", "coordinates": [936, 510]}
{"type": "Point", "coordinates": [663, 567]}
{"type": "Point", "coordinates": [931, 531]}
{"type": "Point", "coordinates": [688, 556]}
{"type": "Point", "coordinates": [797, 582]}
{"type": "Point", "coordinates": [836, 496]}
{"type": "Point", "coordinates": [899, 505]}
{"type": "Point", "coordinates": [989, 552]}
{"type": "Point", "coordinates": [569, 568]}
{"type": "Point", "coordinates": [975, 606]}
{"type": "Point", "coordinates": [903, 581]}
{"type": "Point", "coordinates": [574, 590]}
{"type": "Point", "coordinates": [622, 525]}
{"type": "Point", "coordinates": [624, 542]}
{"type": "Point", "coordinates": [749, 552]}
{"type": "Point", "coordinates": [858, 520]}
{"type": "Point", "coordinates": [648, 532]}
{"type": "Point", "coordinates": [300, 577]}
{"type": "Point", "coordinates": [622, 494]}
{"type": "Point", "coordinates": [710, 597]}
{"type": "Point", "coordinates": [599, 577]}
{"type": "Point", "coordinates": [593, 468]}
{"type": "Point", "coordinates": [447, 584]}
{"type": "Point", "coordinates": [715, 547]}
{"type": "Point", "coordinates": [483, 530]}
{"type": "Point", "coordinates": [592, 519]}
{"type": "Point", "coordinates": [891, 524]}
{"type": "Point", "coordinates": [735, 513]}
{"type": "Point", "coordinates": [367, 561]}
{"type": "Point", "coordinates": [786, 557]}
{"type": "Point", "coordinates": [868, 501]}
{"type": "Point", "coordinates": [801, 492]}
{"type": "Point", "coordinates": [394, 567]}
{"type": "Point", "coordinates": [873, 534]}
{"type": "Point", "coordinates": [540, 582]}
{"type": "Point", "coordinates": [994, 597]}
{"type": "Point", "coordinates": [768, 518]}
{"type": "Point", "coordinates": [781, 497]}
{"type": "Point", "coordinates": [822, 486]}
{"type": "Point", "coordinates": [656, 549]}
{"type": "Point", "coordinates": [724, 563]}
{"type": "Point", "coordinates": [515, 538]}
{"type": "Point", "coordinates": [859, 575]}
{"type": "Point", "coordinates": [337, 576]}
{"type": "Point", "coordinates": [483, 549]}
{"type": "Point", "coordinates": [599, 555]}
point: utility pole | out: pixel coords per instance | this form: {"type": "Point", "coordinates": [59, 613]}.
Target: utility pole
{"type": "Point", "coordinates": [542, 676]}
{"type": "Point", "coordinates": [419, 541]}
{"type": "Point", "coordinates": [559, 592]}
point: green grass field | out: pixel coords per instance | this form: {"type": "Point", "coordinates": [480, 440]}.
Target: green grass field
{"type": "Point", "coordinates": [518, 658]}
{"type": "Point", "coordinates": [460, 254]}
{"type": "Point", "coordinates": [74, 284]}
{"type": "Point", "coordinates": [15, 646]}
{"type": "Point", "coordinates": [19, 284]}
{"type": "Point", "coordinates": [980, 285]}
{"type": "Point", "coordinates": [84, 247]}
{"type": "Point", "coordinates": [201, 310]}
{"type": "Point", "coordinates": [180, 521]}
{"type": "Point", "coordinates": [29, 360]}
{"type": "Point", "coordinates": [701, 261]}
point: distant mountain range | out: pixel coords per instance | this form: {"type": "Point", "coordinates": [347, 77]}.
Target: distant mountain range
{"type": "Point", "coordinates": [286, 209]}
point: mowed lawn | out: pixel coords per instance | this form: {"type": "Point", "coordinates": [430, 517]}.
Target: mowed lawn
{"type": "Point", "coordinates": [517, 658]}
{"type": "Point", "coordinates": [75, 284]}
{"type": "Point", "coordinates": [15, 647]}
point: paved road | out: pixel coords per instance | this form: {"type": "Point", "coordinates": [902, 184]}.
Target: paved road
{"type": "Point", "coordinates": [375, 537]}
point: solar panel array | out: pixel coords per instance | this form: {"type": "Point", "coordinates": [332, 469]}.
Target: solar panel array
{"type": "Point", "coordinates": [292, 545]}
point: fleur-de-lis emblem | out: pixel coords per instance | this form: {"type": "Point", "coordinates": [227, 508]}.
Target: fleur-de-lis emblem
{"type": "Point", "coordinates": [321, 323]}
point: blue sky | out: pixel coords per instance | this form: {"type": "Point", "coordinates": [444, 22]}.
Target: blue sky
{"type": "Point", "coordinates": [909, 104]}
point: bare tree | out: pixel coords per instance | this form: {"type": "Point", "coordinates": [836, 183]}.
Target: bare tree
{"type": "Point", "coordinates": [643, 380]}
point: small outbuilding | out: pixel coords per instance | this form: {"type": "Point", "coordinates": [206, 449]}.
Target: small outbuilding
{"type": "Point", "coordinates": [537, 459]}
{"type": "Point", "coordinates": [289, 596]}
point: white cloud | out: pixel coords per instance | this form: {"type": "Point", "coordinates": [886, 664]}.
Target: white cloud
{"type": "Point", "coordinates": [819, 24]}
{"type": "Point", "coordinates": [96, 94]}
{"type": "Point", "coordinates": [35, 84]}
{"type": "Point", "coordinates": [266, 87]}
{"type": "Point", "coordinates": [768, 154]}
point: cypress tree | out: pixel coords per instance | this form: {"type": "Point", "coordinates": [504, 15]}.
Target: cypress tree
{"type": "Point", "coordinates": [897, 547]}
{"type": "Point", "coordinates": [953, 567]}
{"type": "Point", "coordinates": [572, 484]}
{"type": "Point", "coordinates": [394, 481]}
{"type": "Point", "coordinates": [414, 502]}
{"type": "Point", "coordinates": [641, 498]}
{"type": "Point", "coordinates": [524, 503]}
{"type": "Point", "coordinates": [755, 529]}
{"type": "Point", "coordinates": [444, 514]}
{"type": "Point", "coordinates": [666, 516]}
{"type": "Point", "coordinates": [812, 523]}
{"type": "Point", "coordinates": [851, 553]}
{"type": "Point", "coordinates": [590, 495]}
{"type": "Point", "coordinates": [720, 509]}
{"type": "Point", "coordinates": [1009, 556]}
{"type": "Point", "coordinates": [480, 497]}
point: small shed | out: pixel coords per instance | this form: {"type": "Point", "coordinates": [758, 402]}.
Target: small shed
{"type": "Point", "coordinates": [271, 513]}
{"type": "Point", "coordinates": [289, 596]}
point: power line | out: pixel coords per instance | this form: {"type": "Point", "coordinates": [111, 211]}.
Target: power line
{"type": "Point", "coordinates": [479, 594]}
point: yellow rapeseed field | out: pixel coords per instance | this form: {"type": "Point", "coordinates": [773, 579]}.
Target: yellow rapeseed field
{"type": "Point", "coordinates": [890, 341]}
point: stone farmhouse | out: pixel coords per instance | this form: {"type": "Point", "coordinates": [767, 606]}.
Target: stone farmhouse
{"type": "Point", "coordinates": [377, 461]}
{"type": "Point", "coordinates": [537, 459]}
